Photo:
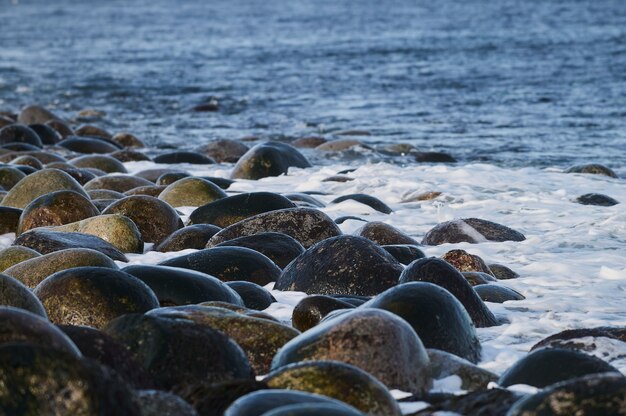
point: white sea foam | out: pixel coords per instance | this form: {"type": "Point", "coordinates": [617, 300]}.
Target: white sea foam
{"type": "Point", "coordinates": [572, 263]}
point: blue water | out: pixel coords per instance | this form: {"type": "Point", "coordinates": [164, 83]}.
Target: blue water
{"type": "Point", "coordinates": [508, 82]}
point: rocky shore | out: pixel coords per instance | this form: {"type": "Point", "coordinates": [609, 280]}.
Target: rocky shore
{"type": "Point", "coordinates": [160, 291]}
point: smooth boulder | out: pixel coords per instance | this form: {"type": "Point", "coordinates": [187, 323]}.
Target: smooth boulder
{"type": "Point", "coordinates": [40, 183]}
{"type": "Point", "coordinates": [56, 208]}
{"type": "Point", "coordinates": [470, 230]}
{"type": "Point", "coordinates": [278, 247]}
{"type": "Point", "coordinates": [268, 159]}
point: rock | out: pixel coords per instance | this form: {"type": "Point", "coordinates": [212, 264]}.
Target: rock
{"type": "Point", "coordinates": [373, 340]}
{"type": "Point", "coordinates": [127, 155]}
{"type": "Point", "coordinates": [93, 296]}
{"type": "Point", "coordinates": [118, 183]}
{"type": "Point", "coordinates": [191, 236]}
{"type": "Point", "coordinates": [19, 133]}
{"type": "Point", "coordinates": [404, 253]}
{"type": "Point", "coordinates": [155, 219]}
{"type": "Point", "coordinates": [597, 394]}
{"type": "Point", "coordinates": [117, 230]}
{"type": "Point", "coordinates": [552, 365]}
{"type": "Point", "coordinates": [497, 294]}
{"type": "Point", "coordinates": [60, 127]}
{"type": "Point", "coordinates": [82, 176]}
{"type": "Point", "coordinates": [339, 145]}
{"type": "Point", "coordinates": [466, 262]}
{"type": "Point", "coordinates": [19, 326]}
{"type": "Point", "coordinates": [253, 295]}
{"type": "Point", "coordinates": [268, 159]}
{"type": "Point", "coordinates": [161, 403]}
{"type": "Point", "coordinates": [309, 142]}
{"type": "Point", "coordinates": [585, 339]}
{"type": "Point", "coordinates": [444, 364]}
{"type": "Point", "coordinates": [5, 121]}
{"type": "Point", "coordinates": [44, 381]}
{"type": "Point", "coordinates": [213, 399]}
{"type": "Point", "coordinates": [442, 274]}
{"type": "Point", "coordinates": [153, 174]}
{"type": "Point", "coordinates": [46, 241]}
{"type": "Point", "coordinates": [241, 310]}
{"type": "Point", "coordinates": [40, 183]}
{"type": "Point", "coordinates": [13, 293]}
{"type": "Point", "coordinates": [338, 178]}
{"type": "Point", "coordinates": [102, 162]}
{"type": "Point", "coordinates": [19, 147]}
{"type": "Point", "coordinates": [340, 381]}
{"type": "Point", "coordinates": [128, 140]}
{"type": "Point", "coordinates": [470, 230]}
{"type": "Point", "coordinates": [13, 255]}
{"type": "Point", "coordinates": [102, 204]}
{"type": "Point", "coordinates": [307, 226]}
{"type": "Point", "coordinates": [301, 199]}
{"type": "Point", "coordinates": [312, 309]}
{"type": "Point", "coordinates": [478, 278]}
{"type": "Point", "coordinates": [341, 265]}
{"type": "Point", "coordinates": [47, 134]}
{"type": "Point", "coordinates": [87, 130]}
{"type": "Point", "coordinates": [104, 194]}
{"type": "Point", "coordinates": [596, 199]}
{"type": "Point", "coordinates": [592, 168]}
{"type": "Point", "coordinates": [183, 157]}
{"type": "Point", "coordinates": [223, 150]}
{"type": "Point", "coordinates": [278, 247]}
{"type": "Point", "coordinates": [9, 219]}
{"type": "Point", "coordinates": [269, 402]}
{"type": "Point", "coordinates": [56, 208]}
{"type": "Point", "coordinates": [174, 286]}
{"type": "Point", "coordinates": [87, 145]}
{"type": "Point", "coordinates": [171, 177]}
{"type": "Point", "coordinates": [384, 234]}
{"type": "Point", "coordinates": [502, 272]}
{"type": "Point", "coordinates": [437, 317]}
{"type": "Point", "coordinates": [35, 114]}
{"type": "Point", "coordinates": [99, 346]}
{"type": "Point", "coordinates": [260, 339]}
{"type": "Point", "coordinates": [232, 209]}
{"type": "Point", "coordinates": [191, 192]}
{"type": "Point", "coordinates": [27, 161]}
{"type": "Point", "coordinates": [31, 272]}
{"type": "Point", "coordinates": [179, 353]}
{"type": "Point", "coordinates": [434, 157]}
{"type": "Point", "coordinates": [44, 157]}
{"type": "Point", "coordinates": [368, 200]}
{"type": "Point", "coordinates": [229, 264]}
{"type": "Point", "coordinates": [10, 176]}
{"type": "Point", "coordinates": [151, 190]}
{"type": "Point", "coordinates": [479, 403]}
{"type": "Point", "coordinates": [221, 182]}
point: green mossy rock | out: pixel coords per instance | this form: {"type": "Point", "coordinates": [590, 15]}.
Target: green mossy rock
{"type": "Point", "coordinates": [104, 163]}
{"type": "Point", "coordinates": [14, 293]}
{"type": "Point", "coordinates": [13, 255]}
{"type": "Point", "coordinates": [33, 271]}
{"type": "Point", "coordinates": [118, 183]}
{"type": "Point", "coordinates": [191, 192]}
{"type": "Point", "coordinates": [340, 381]}
{"type": "Point", "coordinates": [40, 183]}
{"type": "Point", "coordinates": [192, 236]}
{"type": "Point", "coordinates": [117, 230]}
{"type": "Point", "coordinates": [10, 176]}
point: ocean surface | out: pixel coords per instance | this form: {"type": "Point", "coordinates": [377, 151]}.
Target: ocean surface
{"type": "Point", "coordinates": [517, 91]}
{"type": "Point", "coordinates": [538, 82]}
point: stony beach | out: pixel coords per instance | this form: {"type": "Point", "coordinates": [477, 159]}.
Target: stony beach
{"type": "Point", "coordinates": [240, 278]}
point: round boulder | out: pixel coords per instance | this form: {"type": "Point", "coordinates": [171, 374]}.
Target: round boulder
{"type": "Point", "coordinates": [311, 310]}
{"type": "Point", "coordinates": [470, 230]}
{"type": "Point", "coordinates": [19, 133]}
{"type": "Point", "coordinates": [373, 340]}
{"type": "Point", "coordinates": [592, 168]}
{"type": "Point", "coordinates": [253, 295]}
{"type": "Point", "coordinates": [155, 219]}
{"type": "Point", "coordinates": [13, 255]}
{"type": "Point", "coordinates": [118, 183]}
{"type": "Point", "coordinates": [384, 234]}
{"type": "Point", "coordinates": [40, 183]}
{"type": "Point", "coordinates": [56, 208]}
{"type": "Point", "coordinates": [104, 163]}
{"type": "Point", "coordinates": [268, 159]}
{"type": "Point", "coordinates": [191, 192]}
{"type": "Point", "coordinates": [437, 317]}
{"type": "Point", "coordinates": [223, 150]}
{"type": "Point", "coordinates": [442, 274]}
{"type": "Point", "coordinates": [13, 293]}
{"type": "Point", "coordinates": [278, 247]}
{"type": "Point", "coordinates": [93, 296]}
{"type": "Point", "coordinates": [192, 236]}
{"type": "Point", "coordinates": [341, 265]}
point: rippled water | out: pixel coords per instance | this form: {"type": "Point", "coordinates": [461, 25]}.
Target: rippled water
{"type": "Point", "coordinates": [508, 82]}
